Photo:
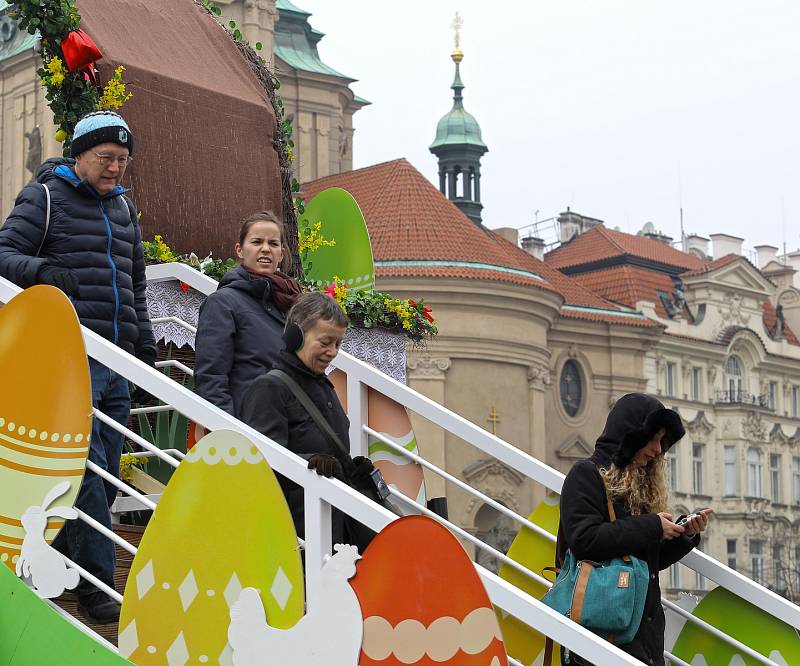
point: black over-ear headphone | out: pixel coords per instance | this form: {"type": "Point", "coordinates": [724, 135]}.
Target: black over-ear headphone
{"type": "Point", "coordinates": [293, 337]}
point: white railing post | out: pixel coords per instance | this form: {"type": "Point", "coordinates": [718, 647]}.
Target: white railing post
{"type": "Point", "coordinates": [318, 545]}
{"type": "Point", "coordinates": [358, 413]}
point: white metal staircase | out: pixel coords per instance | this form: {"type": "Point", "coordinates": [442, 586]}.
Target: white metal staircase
{"type": "Point", "coordinates": [321, 494]}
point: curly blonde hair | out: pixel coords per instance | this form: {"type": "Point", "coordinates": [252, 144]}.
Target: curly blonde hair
{"type": "Point", "coordinates": [642, 487]}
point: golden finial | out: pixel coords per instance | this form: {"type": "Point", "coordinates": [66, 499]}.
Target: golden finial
{"type": "Point", "coordinates": [457, 55]}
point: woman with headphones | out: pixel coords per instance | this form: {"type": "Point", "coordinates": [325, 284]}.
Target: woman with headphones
{"type": "Point", "coordinates": [296, 406]}
{"type": "Point", "coordinates": [239, 332]}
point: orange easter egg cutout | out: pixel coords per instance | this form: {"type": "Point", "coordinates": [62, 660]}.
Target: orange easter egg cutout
{"type": "Point", "coordinates": [45, 409]}
{"type": "Point", "coordinates": [423, 602]}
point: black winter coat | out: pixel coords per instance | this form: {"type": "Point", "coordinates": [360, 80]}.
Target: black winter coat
{"type": "Point", "coordinates": [271, 408]}
{"type": "Point", "coordinates": [239, 335]}
{"type": "Point", "coordinates": [97, 237]}
{"type": "Point", "coordinates": [585, 528]}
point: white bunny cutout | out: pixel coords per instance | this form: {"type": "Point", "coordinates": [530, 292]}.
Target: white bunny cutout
{"type": "Point", "coordinates": [39, 564]}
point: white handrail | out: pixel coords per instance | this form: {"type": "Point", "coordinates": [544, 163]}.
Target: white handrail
{"type": "Point", "coordinates": [321, 492]}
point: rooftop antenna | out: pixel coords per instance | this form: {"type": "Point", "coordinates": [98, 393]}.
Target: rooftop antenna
{"type": "Point", "coordinates": [783, 231]}
{"type": "Point", "coordinates": [680, 208]}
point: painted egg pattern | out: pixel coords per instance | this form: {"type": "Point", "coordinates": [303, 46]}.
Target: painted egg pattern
{"type": "Point", "coordinates": [423, 602]}
{"type": "Point", "coordinates": [341, 221]}
{"type": "Point", "coordinates": [45, 409]}
{"type": "Point", "coordinates": [390, 419]}
{"type": "Point", "coordinates": [222, 524]}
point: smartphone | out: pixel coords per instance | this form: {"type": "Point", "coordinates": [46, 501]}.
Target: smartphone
{"type": "Point", "coordinates": [686, 519]}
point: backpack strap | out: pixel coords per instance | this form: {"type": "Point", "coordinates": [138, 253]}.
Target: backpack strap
{"type": "Point", "coordinates": [311, 408]}
{"type": "Point", "coordinates": [46, 218]}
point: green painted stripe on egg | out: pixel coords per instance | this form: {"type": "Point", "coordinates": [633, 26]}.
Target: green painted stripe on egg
{"type": "Point", "coordinates": [378, 446]}
{"type": "Point", "coordinates": [342, 221]}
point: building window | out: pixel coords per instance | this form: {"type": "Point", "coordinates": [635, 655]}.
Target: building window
{"type": "Point", "coordinates": [795, 400]}
{"type": "Point", "coordinates": [730, 547]}
{"type": "Point", "coordinates": [669, 379]}
{"type": "Point", "coordinates": [796, 480]}
{"type": "Point", "coordinates": [772, 395]}
{"type": "Point", "coordinates": [753, 472]}
{"type": "Point", "coordinates": [775, 476]}
{"type": "Point", "coordinates": [697, 468]}
{"type": "Point", "coordinates": [675, 575]}
{"type": "Point", "coordinates": [730, 470]}
{"type": "Point", "coordinates": [796, 570]}
{"type": "Point", "coordinates": [696, 375]}
{"type": "Point", "coordinates": [672, 467]}
{"type": "Point", "coordinates": [571, 388]}
{"type": "Point", "coordinates": [777, 568]}
{"type": "Point", "coordinates": [733, 378]}
{"type": "Point", "coordinates": [757, 561]}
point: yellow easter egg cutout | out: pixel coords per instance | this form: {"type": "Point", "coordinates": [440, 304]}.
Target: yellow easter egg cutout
{"type": "Point", "coordinates": [535, 552]}
{"type": "Point", "coordinates": [221, 525]}
{"type": "Point", "coordinates": [45, 410]}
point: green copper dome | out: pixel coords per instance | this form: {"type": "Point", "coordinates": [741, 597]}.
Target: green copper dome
{"type": "Point", "coordinates": [458, 127]}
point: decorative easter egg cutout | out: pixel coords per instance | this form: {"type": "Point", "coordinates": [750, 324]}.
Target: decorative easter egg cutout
{"type": "Point", "coordinates": [221, 525]}
{"type": "Point", "coordinates": [423, 602]}
{"type": "Point", "coordinates": [745, 622]}
{"type": "Point", "coordinates": [341, 221]}
{"type": "Point", "coordinates": [534, 552]}
{"type": "Point", "coordinates": [391, 420]}
{"type": "Point", "coordinates": [45, 411]}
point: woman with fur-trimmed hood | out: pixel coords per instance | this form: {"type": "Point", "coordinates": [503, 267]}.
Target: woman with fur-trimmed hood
{"type": "Point", "coordinates": [629, 461]}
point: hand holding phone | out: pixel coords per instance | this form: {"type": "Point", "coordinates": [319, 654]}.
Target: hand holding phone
{"type": "Point", "coordinates": [701, 514]}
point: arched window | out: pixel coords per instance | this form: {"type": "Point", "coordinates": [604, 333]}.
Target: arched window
{"type": "Point", "coordinates": [754, 465]}
{"type": "Point", "coordinates": [734, 379]}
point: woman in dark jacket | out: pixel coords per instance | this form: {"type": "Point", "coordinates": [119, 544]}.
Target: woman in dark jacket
{"type": "Point", "coordinates": [240, 325]}
{"type": "Point", "coordinates": [629, 461]}
{"type": "Point", "coordinates": [315, 329]}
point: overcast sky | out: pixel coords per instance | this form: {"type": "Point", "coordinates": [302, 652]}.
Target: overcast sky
{"type": "Point", "coordinates": [619, 109]}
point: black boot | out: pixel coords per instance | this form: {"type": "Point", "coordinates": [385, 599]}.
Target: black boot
{"type": "Point", "coordinates": [98, 608]}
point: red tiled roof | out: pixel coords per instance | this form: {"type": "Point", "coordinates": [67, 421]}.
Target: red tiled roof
{"type": "Point", "coordinates": [600, 243]}
{"type": "Point", "coordinates": [713, 265]}
{"type": "Point", "coordinates": [417, 231]}
{"type": "Point", "coordinates": [628, 285]}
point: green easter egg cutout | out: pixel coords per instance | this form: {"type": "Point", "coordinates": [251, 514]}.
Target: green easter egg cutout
{"type": "Point", "coordinates": [746, 623]}
{"type": "Point", "coordinates": [340, 220]}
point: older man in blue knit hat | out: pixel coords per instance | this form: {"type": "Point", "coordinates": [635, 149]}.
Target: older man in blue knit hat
{"type": "Point", "coordinates": [73, 227]}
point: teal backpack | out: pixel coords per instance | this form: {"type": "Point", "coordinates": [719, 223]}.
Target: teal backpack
{"type": "Point", "coordinates": [605, 597]}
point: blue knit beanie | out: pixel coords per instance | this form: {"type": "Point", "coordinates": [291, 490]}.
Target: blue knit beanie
{"type": "Point", "coordinates": [101, 127]}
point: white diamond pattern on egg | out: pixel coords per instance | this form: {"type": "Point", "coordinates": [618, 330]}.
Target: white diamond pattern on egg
{"type": "Point", "coordinates": [128, 640]}
{"type": "Point", "coordinates": [145, 579]}
{"type": "Point", "coordinates": [232, 590]}
{"type": "Point", "coordinates": [187, 590]}
{"type": "Point", "coordinates": [178, 653]}
{"type": "Point", "coordinates": [281, 588]}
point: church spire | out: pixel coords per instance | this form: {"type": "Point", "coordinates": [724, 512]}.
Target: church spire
{"type": "Point", "coordinates": [459, 146]}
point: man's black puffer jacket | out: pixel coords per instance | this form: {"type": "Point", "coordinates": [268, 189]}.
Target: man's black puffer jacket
{"type": "Point", "coordinates": [96, 237]}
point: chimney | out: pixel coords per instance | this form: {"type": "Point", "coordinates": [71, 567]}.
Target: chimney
{"type": "Point", "coordinates": [572, 224]}
{"type": "Point", "coordinates": [660, 237]}
{"type": "Point", "coordinates": [725, 244]}
{"type": "Point", "coordinates": [766, 253]}
{"type": "Point", "coordinates": [533, 246]}
{"type": "Point", "coordinates": [511, 235]}
{"type": "Point", "coordinates": [697, 245]}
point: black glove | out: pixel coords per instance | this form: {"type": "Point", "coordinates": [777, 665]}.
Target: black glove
{"type": "Point", "coordinates": [139, 395]}
{"type": "Point", "coordinates": [325, 465]}
{"type": "Point", "coordinates": [360, 478]}
{"type": "Point", "coordinates": [63, 278]}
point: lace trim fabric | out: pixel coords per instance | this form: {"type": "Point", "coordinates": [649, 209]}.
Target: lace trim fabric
{"type": "Point", "coordinates": [167, 299]}
{"type": "Point", "coordinates": [383, 350]}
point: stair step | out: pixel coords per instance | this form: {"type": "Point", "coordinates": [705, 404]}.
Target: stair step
{"type": "Point", "coordinates": [133, 535]}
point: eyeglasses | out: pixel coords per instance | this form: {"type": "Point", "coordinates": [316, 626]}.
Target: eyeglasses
{"type": "Point", "coordinates": [105, 160]}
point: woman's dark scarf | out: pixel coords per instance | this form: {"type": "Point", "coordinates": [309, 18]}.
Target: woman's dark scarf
{"type": "Point", "coordinates": [283, 291]}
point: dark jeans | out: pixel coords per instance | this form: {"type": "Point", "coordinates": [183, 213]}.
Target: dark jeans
{"type": "Point", "coordinates": [81, 543]}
